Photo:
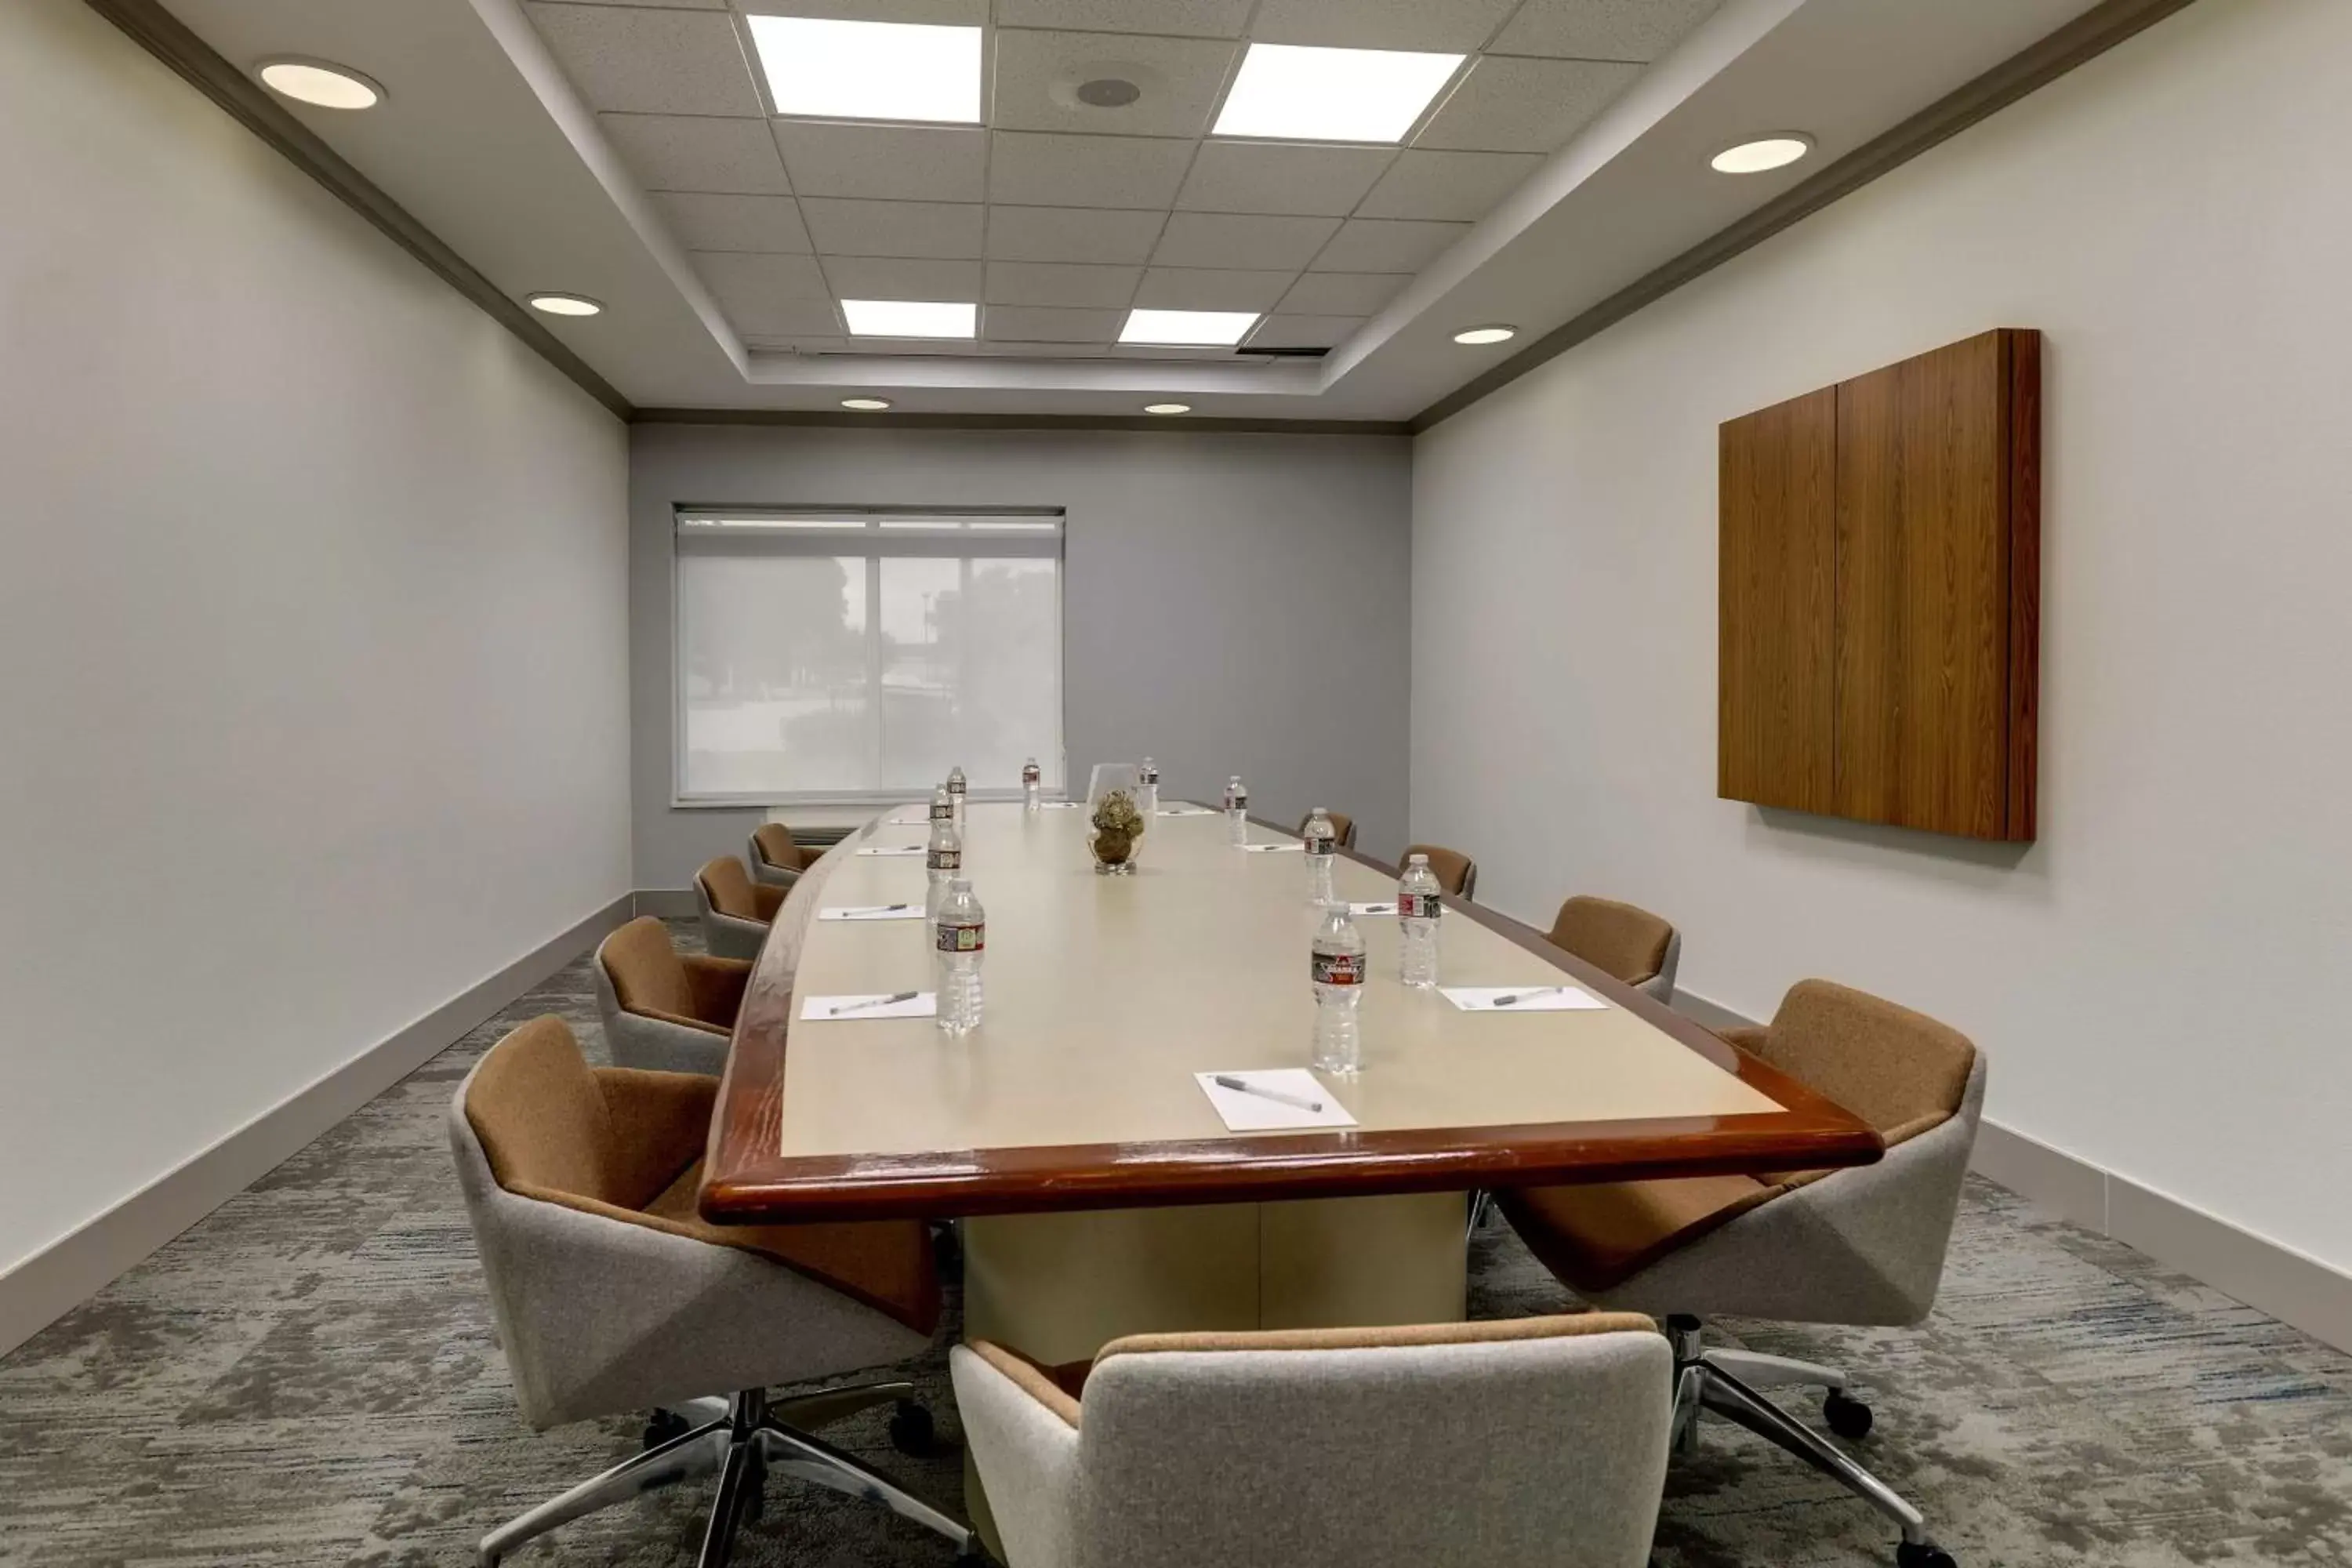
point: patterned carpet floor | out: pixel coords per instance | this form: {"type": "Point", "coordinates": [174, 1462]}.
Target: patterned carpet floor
{"type": "Point", "coordinates": [310, 1376]}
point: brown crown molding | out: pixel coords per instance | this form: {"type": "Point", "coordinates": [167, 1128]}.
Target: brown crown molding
{"type": "Point", "coordinates": [1165, 425]}
{"type": "Point", "coordinates": [2084, 39]}
{"type": "Point", "coordinates": [169, 39]}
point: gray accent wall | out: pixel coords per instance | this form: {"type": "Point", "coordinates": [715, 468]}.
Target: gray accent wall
{"type": "Point", "coordinates": [1230, 603]}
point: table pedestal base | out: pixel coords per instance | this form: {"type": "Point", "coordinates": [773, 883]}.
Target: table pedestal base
{"type": "Point", "coordinates": [1058, 1287]}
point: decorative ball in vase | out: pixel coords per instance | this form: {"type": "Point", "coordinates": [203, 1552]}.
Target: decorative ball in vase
{"type": "Point", "coordinates": [1117, 832]}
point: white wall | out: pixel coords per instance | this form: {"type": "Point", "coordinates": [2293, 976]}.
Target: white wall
{"type": "Point", "coordinates": [1230, 603]}
{"type": "Point", "coordinates": [313, 653]}
{"type": "Point", "coordinates": [2158, 979]}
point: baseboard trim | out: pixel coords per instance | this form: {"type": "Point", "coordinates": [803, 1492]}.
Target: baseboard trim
{"type": "Point", "coordinates": [667, 903]}
{"type": "Point", "coordinates": [77, 1265]}
{"type": "Point", "coordinates": [2291, 1286]}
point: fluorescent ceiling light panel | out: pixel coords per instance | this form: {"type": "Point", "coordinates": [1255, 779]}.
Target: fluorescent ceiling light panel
{"type": "Point", "coordinates": [1332, 95]}
{"type": "Point", "coordinates": [910, 317]}
{"type": "Point", "coordinates": [1209, 329]}
{"type": "Point", "coordinates": [870, 71]}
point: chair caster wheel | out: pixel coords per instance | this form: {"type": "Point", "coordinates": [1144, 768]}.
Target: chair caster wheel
{"type": "Point", "coordinates": [1916, 1554]}
{"type": "Point", "coordinates": [664, 1424]}
{"type": "Point", "coordinates": [912, 1432]}
{"type": "Point", "coordinates": [1850, 1419]}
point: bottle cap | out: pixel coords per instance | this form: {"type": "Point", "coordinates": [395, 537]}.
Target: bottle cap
{"type": "Point", "coordinates": [963, 884]}
{"type": "Point", "coordinates": [1416, 861]}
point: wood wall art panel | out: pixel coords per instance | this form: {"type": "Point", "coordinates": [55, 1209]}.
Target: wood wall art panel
{"type": "Point", "coordinates": [1931, 624]}
{"type": "Point", "coordinates": [1777, 576]}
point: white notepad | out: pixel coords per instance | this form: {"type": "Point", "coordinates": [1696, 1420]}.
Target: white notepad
{"type": "Point", "coordinates": [1186, 811]}
{"type": "Point", "coordinates": [1527, 998]}
{"type": "Point", "coordinates": [1272, 848]}
{"type": "Point", "coordinates": [1387, 909]}
{"type": "Point", "coordinates": [1247, 1113]}
{"type": "Point", "coordinates": [921, 1005]}
{"type": "Point", "coordinates": [873, 912]}
{"type": "Point", "coordinates": [892, 850]}
{"type": "Point", "coordinates": [1059, 805]}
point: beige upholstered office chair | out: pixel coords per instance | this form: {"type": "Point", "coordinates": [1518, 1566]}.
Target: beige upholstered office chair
{"type": "Point", "coordinates": [1631, 944]}
{"type": "Point", "coordinates": [735, 909]}
{"type": "Point", "coordinates": [1457, 874]}
{"type": "Point", "coordinates": [614, 1296]}
{"type": "Point", "coordinates": [775, 859]}
{"type": "Point", "coordinates": [661, 1008]}
{"type": "Point", "coordinates": [1342, 824]}
{"type": "Point", "coordinates": [1539, 1442]}
{"type": "Point", "coordinates": [1862, 1246]}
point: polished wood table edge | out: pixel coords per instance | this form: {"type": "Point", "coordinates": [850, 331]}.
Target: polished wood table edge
{"type": "Point", "coordinates": [747, 1182]}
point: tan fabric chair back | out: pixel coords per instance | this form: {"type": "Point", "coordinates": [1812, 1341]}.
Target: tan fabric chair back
{"type": "Point", "coordinates": [646, 973]}
{"type": "Point", "coordinates": [777, 846]}
{"type": "Point", "coordinates": [1457, 874]}
{"type": "Point", "coordinates": [1622, 941]}
{"type": "Point", "coordinates": [728, 888]}
{"type": "Point", "coordinates": [1898, 1070]}
{"type": "Point", "coordinates": [540, 1116]}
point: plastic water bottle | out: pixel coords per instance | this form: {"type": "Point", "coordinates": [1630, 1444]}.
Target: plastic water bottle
{"type": "Point", "coordinates": [1339, 970]}
{"type": "Point", "coordinates": [1322, 845]}
{"type": "Point", "coordinates": [1033, 784]}
{"type": "Point", "coordinates": [955, 792]}
{"type": "Point", "coordinates": [943, 860]}
{"type": "Point", "coordinates": [942, 805]}
{"type": "Point", "coordinates": [1146, 779]}
{"type": "Point", "coordinates": [1418, 905]}
{"type": "Point", "coordinates": [1236, 810]}
{"type": "Point", "coordinates": [961, 929]}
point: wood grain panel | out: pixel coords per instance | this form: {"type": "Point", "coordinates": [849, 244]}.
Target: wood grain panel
{"type": "Point", "coordinates": [1775, 686]}
{"type": "Point", "coordinates": [1926, 665]}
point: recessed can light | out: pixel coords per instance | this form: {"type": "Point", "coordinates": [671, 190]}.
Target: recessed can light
{"type": "Point", "coordinates": [555, 304]}
{"type": "Point", "coordinates": [319, 84]}
{"type": "Point", "coordinates": [1777, 151]}
{"type": "Point", "coordinates": [866, 405]}
{"type": "Point", "coordinates": [1168, 408]}
{"type": "Point", "coordinates": [1497, 333]}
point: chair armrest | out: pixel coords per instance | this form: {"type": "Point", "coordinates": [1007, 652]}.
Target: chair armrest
{"type": "Point", "coordinates": [767, 898]}
{"type": "Point", "coordinates": [717, 984]}
{"type": "Point", "coordinates": [660, 1123]}
{"type": "Point", "coordinates": [1026, 1451]}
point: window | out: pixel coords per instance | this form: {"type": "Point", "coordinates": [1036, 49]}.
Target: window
{"type": "Point", "coordinates": [860, 654]}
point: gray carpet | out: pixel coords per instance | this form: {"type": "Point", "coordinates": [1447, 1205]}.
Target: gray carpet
{"type": "Point", "coordinates": [310, 1376]}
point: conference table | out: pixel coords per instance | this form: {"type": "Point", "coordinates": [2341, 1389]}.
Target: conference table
{"type": "Point", "coordinates": [1101, 1192]}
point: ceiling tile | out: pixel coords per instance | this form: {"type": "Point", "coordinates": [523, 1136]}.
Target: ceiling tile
{"type": "Point", "coordinates": [1281, 177]}
{"type": "Point", "coordinates": [1210, 289]}
{"type": "Point", "coordinates": [843, 226]}
{"type": "Point", "coordinates": [1456, 185]}
{"type": "Point", "coordinates": [1183, 19]}
{"type": "Point", "coordinates": [651, 62]}
{"type": "Point", "coordinates": [1041, 350]}
{"type": "Point", "coordinates": [901, 277]}
{"type": "Point", "coordinates": [1072, 234]}
{"type": "Point", "coordinates": [1056, 283]}
{"type": "Point", "coordinates": [1286, 331]}
{"type": "Point", "coordinates": [1049, 324]}
{"type": "Point", "coordinates": [923, 13]}
{"type": "Point", "coordinates": [886, 162]}
{"type": "Point", "coordinates": [1454, 25]}
{"type": "Point", "coordinates": [1602, 29]}
{"type": "Point", "coordinates": [1341, 293]}
{"type": "Point", "coordinates": [1036, 170]}
{"type": "Point", "coordinates": [733, 223]}
{"type": "Point", "coordinates": [781, 296]}
{"type": "Point", "coordinates": [1173, 352]}
{"type": "Point", "coordinates": [660, 4]}
{"type": "Point", "coordinates": [1525, 106]}
{"type": "Point", "coordinates": [1386, 245]}
{"type": "Point", "coordinates": [1230, 239]}
{"type": "Point", "coordinates": [1037, 75]}
{"type": "Point", "coordinates": [676, 152]}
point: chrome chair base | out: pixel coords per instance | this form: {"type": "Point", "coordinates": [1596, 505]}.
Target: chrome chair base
{"type": "Point", "coordinates": [1724, 1381]}
{"type": "Point", "coordinates": [742, 1440]}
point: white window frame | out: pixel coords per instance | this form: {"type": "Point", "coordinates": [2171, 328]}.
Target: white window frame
{"type": "Point", "coordinates": [981, 533]}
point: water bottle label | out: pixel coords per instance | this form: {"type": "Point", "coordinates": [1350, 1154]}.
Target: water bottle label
{"type": "Point", "coordinates": [1151, 775]}
{"type": "Point", "coordinates": [955, 786]}
{"type": "Point", "coordinates": [961, 939]}
{"type": "Point", "coordinates": [1338, 969]}
{"type": "Point", "coordinates": [1419, 906]}
{"type": "Point", "coordinates": [1030, 774]}
{"type": "Point", "coordinates": [1236, 800]}
{"type": "Point", "coordinates": [1322, 843]}
{"type": "Point", "coordinates": [947, 860]}
{"type": "Point", "coordinates": [943, 810]}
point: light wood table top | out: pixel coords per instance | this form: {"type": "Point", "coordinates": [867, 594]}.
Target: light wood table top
{"type": "Point", "coordinates": [1104, 995]}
